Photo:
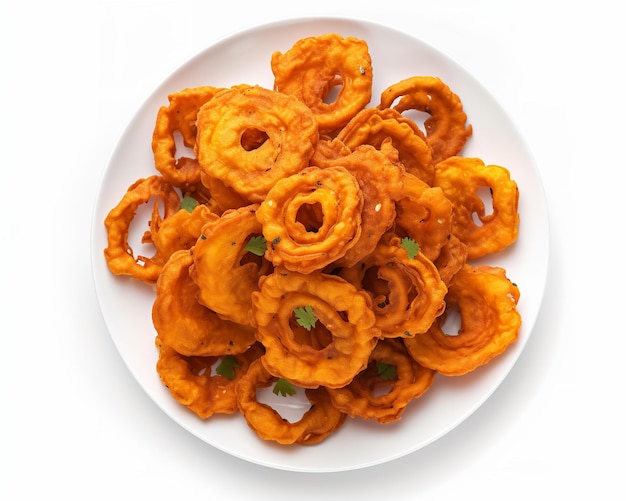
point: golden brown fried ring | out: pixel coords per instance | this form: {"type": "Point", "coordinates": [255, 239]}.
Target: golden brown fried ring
{"type": "Point", "coordinates": [374, 126]}
{"type": "Point", "coordinates": [186, 325]}
{"type": "Point", "coordinates": [344, 316]}
{"type": "Point", "coordinates": [315, 425]}
{"type": "Point", "coordinates": [312, 218]}
{"type": "Point", "coordinates": [225, 272]}
{"type": "Point", "coordinates": [192, 383]}
{"type": "Point", "coordinates": [445, 129]}
{"type": "Point", "coordinates": [380, 181]}
{"type": "Point", "coordinates": [250, 137]}
{"type": "Point", "coordinates": [461, 180]}
{"type": "Point", "coordinates": [119, 255]}
{"type": "Point", "coordinates": [486, 301]}
{"type": "Point", "coordinates": [370, 396]}
{"type": "Point", "coordinates": [315, 67]}
{"type": "Point", "coordinates": [179, 116]}
{"type": "Point", "coordinates": [407, 293]}
{"type": "Point", "coordinates": [425, 215]}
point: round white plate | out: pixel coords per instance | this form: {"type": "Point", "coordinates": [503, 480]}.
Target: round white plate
{"type": "Point", "coordinates": [245, 58]}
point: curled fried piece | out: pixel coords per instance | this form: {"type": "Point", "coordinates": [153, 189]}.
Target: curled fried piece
{"type": "Point", "coordinates": [119, 255]}
{"type": "Point", "coordinates": [250, 137]}
{"type": "Point", "coordinates": [385, 388]}
{"type": "Point", "coordinates": [407, 293]}
{"type": "Point", "coordinates": [186, 325]}
{"type": "Point", "coordinates": [451, 259]}
{"type": "Point", "coordinates": [179, 116]}
{"type": "Point", "coordinates": [312, 218]}
{"type": "Point", "coordinates": [380, 181]}
{"type": "Point", "coordinates": [193, 383]}
{"type": "Point", "coordinates": [343, 325]}
{"type": "Point", "coordinates": [425, 215]}
{"type": "Point", "coordinates": [486, 301]}
{"type": "Point", "coordinates": [225, 272]}
{"type": "Point", "coordinates": [315, 425]}
{"type": "Point", "coordinates": [445, 128]}
{"type": "Point", "coordinates": [316, 67]}
{"type": "Point", "coordinates": [461, 180]}
{"type": "Point", "coordinates": [374, 126]}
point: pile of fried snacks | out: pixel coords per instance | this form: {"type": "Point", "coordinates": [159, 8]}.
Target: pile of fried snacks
{"type": "Point", "coordinates": [312, 242]}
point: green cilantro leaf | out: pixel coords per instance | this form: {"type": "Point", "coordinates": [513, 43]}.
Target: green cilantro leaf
{"type": "Point", "coordinates": [410, 246]}
{"type": "Point", "coordinates": [256, 245]}
{"type": "Point", "coordinates": [227, 367]}
{"type": "Point", "coordinates": [188, 203]}
{"type": "Point", "coordinates": [305, 317]}
{"type": "Point", "coordinates": [283, 387]}
{"type": "Point", "coordinates": [386, 371]}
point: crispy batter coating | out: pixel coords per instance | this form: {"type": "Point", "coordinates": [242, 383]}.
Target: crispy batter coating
{"type": "Point", "coordinates": [187, 326]}
{"type": "Point", "coordinates": [250, 137]}
{"type": "Point", "coordinates": [486, 301]}
{"type": "Point", "coordinates": [119, 255]}
{"type": "Point", "coordinates": [445, 128]}
{"type": "Point", "coordinates": [371, 396]}
{"type": "Point", "coordinates": [193, 383]}
{"type": "Point", "coordinates": [315, 425]}
{"type": "Point", "coordinates": [407, 293]}
{"type": "Point", "coordinates": [179, 116]}
{"type": "Point", "coordinates": [344, 316]}
{"type": "Point", "coordinates": [225, 272]}
{"type": "Point", "coordinates": [461, 178]}
{"type": "Point", "coordinates": [315, 67]}
{"type": "Point", "coordinates": [312, 218]}
{"type": "Point", "coordinates": [374, 126]}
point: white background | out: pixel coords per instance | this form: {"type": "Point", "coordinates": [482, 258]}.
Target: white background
{"type": "Point", "coordinates": [74, 424]}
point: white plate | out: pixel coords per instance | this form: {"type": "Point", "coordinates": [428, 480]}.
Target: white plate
{"type": "Point", "coordinates": [245, 58]}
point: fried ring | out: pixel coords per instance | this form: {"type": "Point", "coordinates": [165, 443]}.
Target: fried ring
{"type": "Point", "coordinates": [407, 293]}
{"type": "Point", "coordinates": [461, 178]}
{"type": "Point", "coordinates": [380, 181]}
{"type": "Point", "coordinates": [373, 126]}
{"type": "Point", "coordinates": [445, 128]}
{"type": "Point", "coordinates": [486, 301]}
{"type": "Point", "coordinates": [225, 272]}
{"type": "Point", "coordinates": [312, 218]}
{"type": "Point", "coordinates": [179, 116]}
{"type": "Point", "coordinates": [315, 425]}
{"type": "Point", "coordinates": [343, 314]}
{"type": "Point", "coordinates": [250, 137]}
{"type": "Point", "coordinates": [192, 383]}
{"type": "Point", "coordinates": [119, 255]}
{"type": "Point", "coordinates": [370, 396]}
{"type": "Point", "coordinates": [186, 325]}
{"type": "Point", "coordinates": [315, 67]}
{"type": "Point", "coordinates": [425, 215]}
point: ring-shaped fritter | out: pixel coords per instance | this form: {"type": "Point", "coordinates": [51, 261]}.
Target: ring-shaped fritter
{"type": "Point", "coordinates": [312, 218]}
{"type": "Point", "coordinates": [187, 326]}
{"type": "Point", "coordinates": [225, 272]}
{"type": "Point", "coordinates": [445, 128]}
{"type": "Point", "coordinates": [250, 137]}
{"type": "Point", "coordinates": [461, 180]}
{"type": "Point", "coordinates": [315, 425]}
{"type": "Point", "coordinates": [486, 301]}
{"type": "Point", "coordinates": [370, 395]}
{"type": "Point", "coordinates": [343, 314]}
{"type": "Point", "coordinates": [193, 383]}
{"type": "Point", "coordinates": [179, 116]}
{"type": "Point", "coordinates": [374, 126]}
{"type": "Point", "coordinates": [316, 67]}
{"type": "Point", "coordinates": [407, 293]}
{"type": "Point", "coordinates": [119, 255]}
